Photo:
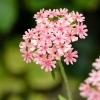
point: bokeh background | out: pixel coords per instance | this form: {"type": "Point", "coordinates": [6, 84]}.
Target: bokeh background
{"type": "Point", "coordinates": [21, 81]}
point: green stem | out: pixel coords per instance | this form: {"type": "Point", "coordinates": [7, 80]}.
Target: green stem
{"type": "Point", "coordinates": [65, 80]}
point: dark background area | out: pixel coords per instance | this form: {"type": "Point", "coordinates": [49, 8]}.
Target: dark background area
{"type": "Point", "coordinates": [21, 81]}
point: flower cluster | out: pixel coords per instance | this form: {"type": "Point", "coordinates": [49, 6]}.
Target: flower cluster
{"type": "Point", "coordinates": [51, 38]}
{"type": "Point", "coordinates": [90, 89]}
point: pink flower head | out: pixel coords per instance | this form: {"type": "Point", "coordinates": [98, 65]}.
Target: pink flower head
{"type": "Point", "coordinates": [51, 38]}
{"type": "Point", "coordinates": [93, 82]}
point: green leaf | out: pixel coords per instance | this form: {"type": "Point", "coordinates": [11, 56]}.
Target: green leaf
{"type": "Point", "coordinates": [53, 73]}
{"type": "Point", "coordinates": [8, 15]}
{"type": "Point", "coordinates": [61, 97]}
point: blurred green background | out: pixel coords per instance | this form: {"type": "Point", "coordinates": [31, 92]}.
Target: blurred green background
{"type": "Point", "coordinates": [21, 81]}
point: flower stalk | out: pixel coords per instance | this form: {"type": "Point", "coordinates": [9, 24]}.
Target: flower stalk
{"type": "Point", "coordinates": [65, 80]}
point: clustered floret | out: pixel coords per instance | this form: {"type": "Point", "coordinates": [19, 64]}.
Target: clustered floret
{"type": "Point", "coordinates": [51, 38]}
{"type": "Point", "coordinates": [90, 89]}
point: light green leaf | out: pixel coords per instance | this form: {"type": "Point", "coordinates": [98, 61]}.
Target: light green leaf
{"type": "Point", "coordinates": [61, 97]}
{"type": "Point", "coordinates": [53, 73]}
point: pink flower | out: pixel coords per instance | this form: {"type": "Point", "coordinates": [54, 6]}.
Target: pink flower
{"type": "Point", "coordinates": [71, 35]}
{"type": "Point", "coordinates": [63, 48]}
{"type": "Point", "coordinates": [23, 46]}
{"type": "Point", "coordinates": [27, 56]}
{"type": "Point", "coordinates": [51, 13]}
{"type": "Point", "coordinates": [39, 14]}
{"type": "Point", "coordinates": [38, 30]}
{"type": "Point", "coordinates": [61, 11]}
{"type": "Point", "coordinates": [85, 89]}
{"type": "Point", "coordinates": [93, 82]}
{"type": "Point", "coordinates": [96, 64]}
{"type": "Point", "coordinates": [38, 57]}
{"type": "Point", "coordinates": [47, 26]}
{"type": "Point", "coordinates": [55, 54]}
{"type": "Point", "coordinates": [28, 34]}
{"type": "Point", "coordinates": [94, 77]}
{"type": "Point", "coordinates": [68, 18]}
{"type": "Point", "coordinates": [51, 38]}
{"type": "Point", "coordinates": [44, 49]}
{"type": "Point", "coordinates": [59, 38]}
{"type": "Point", "coordinates": [78, 17]}
{"type": "Point", "coordinates": [60, 28]}
{"type": "Point", "coordinates": [70, 56]}
{"type": "Point", "coordinates": [81, 31]}
{"type": "Point", "coordinates": [48, 38]}
{"type": "Point", "coordinates": [48, 63]}
{"type": "Point", "coordinates": [94, 95]}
